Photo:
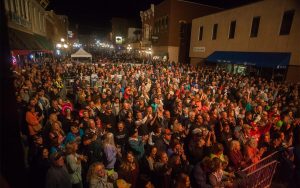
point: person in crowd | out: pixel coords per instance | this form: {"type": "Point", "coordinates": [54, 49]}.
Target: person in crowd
{"type": "Point", "coordinates": [235, 155]}
{"type": "Point", "coordinates": [162, 171]}
{"type": "Point", "coordinates": [57, 175]}
{"type": "Point", "coordinates": [73, 164]}
{"type": "Point", "coordinates": [33, 121]}
{"type": "Point", "coordinates": [110, 151]}
{"type": "Point", "coordinates": [200, 173]}
{"type": "Point", "coordinates": [217, 177]}
{"type": "Point", "coordinates": [252, 153]}
{"type": "Point", "coordinates": [97, 177]}
{"type": "Point", "coordinates": [136, 143]}
{"type": "Point", "coordinates": [129, 169]}
{"type": "Point", "coordinates": [75, 134]}
{"type": "Point", "coordinates": [183, 181]}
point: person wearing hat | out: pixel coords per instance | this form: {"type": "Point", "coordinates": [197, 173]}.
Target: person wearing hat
{"type": "Point", "coordinates": [57, 175]}
{"type": "Point", "coordinates": [108, 119]}
{"type": "Point", "coordinates": [135, 143]}
{"type": "Point", "coordinates": [75, 133]}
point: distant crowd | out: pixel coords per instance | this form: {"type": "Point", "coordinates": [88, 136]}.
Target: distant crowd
{"type": "Point", "coordinates": [151, 124]}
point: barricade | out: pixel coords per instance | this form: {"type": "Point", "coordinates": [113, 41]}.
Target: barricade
{"type": "Point", "coordinates": [273, 156]}
{"type": "Point", "coordinates": [260, 177]}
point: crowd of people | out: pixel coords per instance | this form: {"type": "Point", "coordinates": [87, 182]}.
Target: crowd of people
{"type": "Point", "coordinates": [155, 124]}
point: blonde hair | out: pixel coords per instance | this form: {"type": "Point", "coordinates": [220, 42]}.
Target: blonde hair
{"type": "Point", "coordinates": [70, 148]}
{"type": "Point", "coordinates": [91, 174]}
{"type": "Point", "coordinates": [109, 139]}
{"type": "Point", "coordinates": [234, 144]}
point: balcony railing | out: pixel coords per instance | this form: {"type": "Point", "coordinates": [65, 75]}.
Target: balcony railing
{"type": "Point", "coordinates": [13, 17]}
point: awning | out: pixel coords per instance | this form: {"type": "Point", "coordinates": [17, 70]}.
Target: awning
{"type": "Point", "coordinates": [259, 59]}
{"type": "Point", "coordinates": [44, 43]}
{"type": "Point", "coordinates": [22, 41]}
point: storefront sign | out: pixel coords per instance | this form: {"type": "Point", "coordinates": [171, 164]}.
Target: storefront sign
{"type": "Point", "coordinates": [199, 49]}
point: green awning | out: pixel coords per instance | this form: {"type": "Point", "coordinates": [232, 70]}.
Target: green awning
{"type": "Point", "coordinates": [22, 41]}
{"type": "Point", "coordinates": [44, 43]}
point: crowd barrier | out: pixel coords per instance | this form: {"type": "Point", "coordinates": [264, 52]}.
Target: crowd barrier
{"type": "Point", "coordinates": [260, 174]}
{"type": "Point", "coordinates": [260, 177]}
{"type": "Point", "coordinates": [271, 157]}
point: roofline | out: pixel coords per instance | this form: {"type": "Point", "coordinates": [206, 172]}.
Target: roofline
{"type": "Point", "coordinates": [230, 9]}
{"type": "Point", "coordinates": [201, 4]}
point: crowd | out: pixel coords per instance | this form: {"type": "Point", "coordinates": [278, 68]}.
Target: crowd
{"type": "Point", "coordinates": [154, 124]}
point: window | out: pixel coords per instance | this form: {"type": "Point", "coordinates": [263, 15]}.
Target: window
{"type": "Point", "coordinates": [255, 26]}
{"type": "Point", "coordinates": [287, 21]}
{"type": "Point", "coordinates": [200, 33]}
{"type": "Point", "coordinates": [215, 31]}
{"type": "Point", "coordinates": [232, 29]}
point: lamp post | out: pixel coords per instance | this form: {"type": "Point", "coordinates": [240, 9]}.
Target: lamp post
{"type": "Point", "coordinates": [62, 46]}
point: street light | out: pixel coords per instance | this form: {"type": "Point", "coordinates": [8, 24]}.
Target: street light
{"type": "Point", "coordinates": [58, 45]}
{"type": "Point", "coordinates": [66, 46]}
{"type": "Point", "coordinates": [62, 40]}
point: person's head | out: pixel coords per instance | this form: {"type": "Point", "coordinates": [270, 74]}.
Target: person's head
{"type": "Point", "coordinates": [216, 164]}
{"type": "Point", "coordinates": [252, 143]}
{"type": "Point", "coordinates": [192, 115]}
{"type": "Point", "coordinates": [120, 126]}
{"type": "Point", "coordinates": [85, 114]}
{"type": "Point", "coordinates": [206, 163]}
{"type": "Point", "coordinates": [167, 114]}
{"type": "Point", "coordinates": [109, 139]}
{"type": "Point", "coordinates": [57, 159]}
{"type": "Point", "coordinates": [71, 148]}
{"type": "Point", "coordinates": [74, 128]}
{"type": "Point", "coordinates": [126, 105]}
{"type": "Point", "coordinates": [177, 127]}
{"type": "Point", "coordinates": [217, 149]}
{"type": "Point", "coordinates": [108, 110]}
{"type": "Point", "coordinates": [153, 152]}
{"type": "Point", "coordinates": [53, 117]}
{"type": "Point", "coordinates": [175, 160]}
{"type": "Point", "coordinates": [55, 126]}
{"type": "Point", "coordinates": [54, 103]}
{"type": "Point", "coordinates": [246, 129]}
{"type": "Point", "coordinates": [183, 181]}
{"type": "Point", "coordinates": [139, 115]}
{"type": "Point", "coordinates": [167, 134]}
{"type": "Point", "coordinates": [45, 153]}
{"type": "Point", "coordinates": [235, 145]}
{"type": "Point", "coordinates": [91, 124]}
{"type": "Point", "coordinates": [149, 110]}
{"type": "Point", "coordinates": [133, 132]}
{"type": "Point", "coordinates": [130, 157]}
{"type": "Point", "coordinates": [163, 157]}
{"type": "Point", "coordinates": [96, 170]}
{"type": "Point", "coordinates": [248, 115]}
{"type": "Point", "coordinates": [226, 127]}
{"type": "Point", "coordinates": [266, 138]}
{"type": "Point", "coordinates": [199, 119]}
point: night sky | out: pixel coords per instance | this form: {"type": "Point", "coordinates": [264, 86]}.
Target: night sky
{"type": "Point", "coordinates": [93, 16]}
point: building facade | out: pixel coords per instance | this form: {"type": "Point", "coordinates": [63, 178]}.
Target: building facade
{"type": "Point", "coordinates": [28, 25]}
{"type": "Point", "coordinates": [166, 21]}
{"type": "Point", "coordinates": [57, 27]}
{"type": "Point", "coordinates": [254, 28]}
{"type": "Point", "coordinates": [147, 19]}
